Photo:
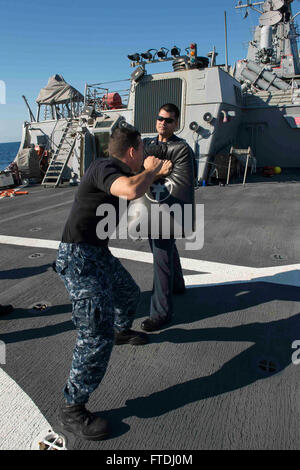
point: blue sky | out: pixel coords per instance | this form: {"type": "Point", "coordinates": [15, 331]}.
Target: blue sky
{"type": "Point", "coordinates": [89, 41]}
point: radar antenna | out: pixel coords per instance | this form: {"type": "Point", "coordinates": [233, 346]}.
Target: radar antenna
{"type": "Point", "coordinates": [270, 18]}
{"type": "Point", "coordinates": [270, 5]}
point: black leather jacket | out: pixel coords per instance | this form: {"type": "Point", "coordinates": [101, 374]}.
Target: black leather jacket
{"type": "Point", "coordinates": [182, 158]}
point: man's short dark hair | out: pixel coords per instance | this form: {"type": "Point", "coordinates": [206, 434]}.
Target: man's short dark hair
{"type": "Point", "coordinates": [122, 139]}
{"type": "Point", "coordinates": [171, 108]}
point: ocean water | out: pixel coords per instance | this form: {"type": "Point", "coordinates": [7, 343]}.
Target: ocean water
{"type": "Point", "coordinates": [8, 152]}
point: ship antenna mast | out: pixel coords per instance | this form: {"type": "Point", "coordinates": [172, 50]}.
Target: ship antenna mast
{"type": "Point", "coordinates": [250, 5]}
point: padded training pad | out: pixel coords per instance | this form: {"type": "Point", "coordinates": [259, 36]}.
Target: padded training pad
{"type": "Point", "coordinates": [167, 209]}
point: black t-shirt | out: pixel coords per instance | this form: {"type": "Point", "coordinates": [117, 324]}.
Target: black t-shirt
{"type": "Point", "coordinates": [93, 190]}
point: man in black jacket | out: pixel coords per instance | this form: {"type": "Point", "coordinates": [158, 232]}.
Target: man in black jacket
{"type": "Point", "coordinates": [168, 277]}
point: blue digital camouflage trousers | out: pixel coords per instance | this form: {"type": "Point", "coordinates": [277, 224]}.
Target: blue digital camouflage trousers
{"type": "Point", "coordinates": [104, 296]}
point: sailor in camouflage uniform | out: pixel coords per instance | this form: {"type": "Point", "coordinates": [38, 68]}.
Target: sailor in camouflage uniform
{"type": "Point", "coordinates": [103, 294]}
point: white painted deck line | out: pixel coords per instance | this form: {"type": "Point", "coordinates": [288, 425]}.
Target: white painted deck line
{"type": "Point", "coordinates": [21, 420]}
{"type": "Point", "coordinates": [213, 273]}
{"type": "Point", "coordinates": [290, 276]}
{"type": "Point", "coordinates": [29, 242]}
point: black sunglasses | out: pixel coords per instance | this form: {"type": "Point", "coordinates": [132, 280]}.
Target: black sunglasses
{"type": "Point", "coordinates": [168, 120]}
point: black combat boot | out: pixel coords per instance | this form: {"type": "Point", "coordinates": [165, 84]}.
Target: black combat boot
{"type": "Point", "coordinates": [78, 420]}
{"type": "Point", "coordinates": [135, 338]}
{"type": "Point", "coordinates": [153, 324]}
{"type": "Point", "coordinates": [5, 309]}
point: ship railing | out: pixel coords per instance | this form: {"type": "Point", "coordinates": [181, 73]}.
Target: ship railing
{"type": "Point", "coordinates": [56, 111]}
{"type": "Point", "coordinates": [61, 111]}
{"type": "Point", "coordinates": [96, 95]}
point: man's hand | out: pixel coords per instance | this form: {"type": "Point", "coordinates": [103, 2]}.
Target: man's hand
{"type": "Point", "coordinates": [153, 164]}
{"type": "Point", "coordinates": [135, 186]}
{"type": "Point", "coordinates": [165, 169]}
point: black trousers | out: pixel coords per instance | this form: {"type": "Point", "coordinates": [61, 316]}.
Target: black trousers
{"type": "Point", "coordinates": [167, 276]}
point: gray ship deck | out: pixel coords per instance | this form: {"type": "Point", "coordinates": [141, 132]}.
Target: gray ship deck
{"type": "Point", "coordinates": [200, 383]}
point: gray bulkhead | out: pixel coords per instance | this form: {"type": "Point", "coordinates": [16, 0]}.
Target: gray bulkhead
{"type": "Point", "coordinates": [268, 127]}
{"type": "Point", "coordinates": [196, 93]}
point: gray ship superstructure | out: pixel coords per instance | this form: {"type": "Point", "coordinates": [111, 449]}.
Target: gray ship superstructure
{"type": "Point", "coordinates": [224, 375]}
{"type": "Point", "coordinates": [255, 105]}
{"type": "Point", "coordinates": [270, 77]}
